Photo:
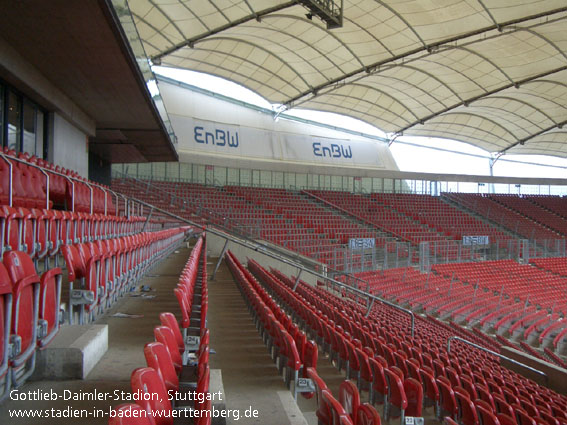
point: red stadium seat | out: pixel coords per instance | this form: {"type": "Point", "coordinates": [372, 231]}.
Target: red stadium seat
{"type": "Point", "coordinates": [323, 413]}
{"type": "Point", "coordinates": [5, 326]}
{"type": "Point", "coordinates": [349, 398]}
{"type": "Point", "coordinates": [147, 381]}
{"type": "Point", "coordinates": [367, 415]}
{"type": "Point", "coordinates": [25, 313]}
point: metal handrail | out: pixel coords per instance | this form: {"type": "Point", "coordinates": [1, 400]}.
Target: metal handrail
{"type": "Point", "coordinates": [9, 159]}
{"type": "Point", "coordinates": [174, 198]}
{"type": "Point", "coordinates": [457, 338]}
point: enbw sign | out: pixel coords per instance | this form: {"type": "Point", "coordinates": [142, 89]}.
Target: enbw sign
{"type": "Point", "coordinates": [218, 138]}
{"type": "Point", "coordinates": [333, 150]}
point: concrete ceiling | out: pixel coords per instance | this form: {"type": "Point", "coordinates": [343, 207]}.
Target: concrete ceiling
{"type": "Point", "coordinates": [80, 49]}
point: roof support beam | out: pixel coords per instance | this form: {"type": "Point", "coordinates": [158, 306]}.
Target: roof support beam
{"type": "Point", "coordinates": [532, 136]}
{"type": "Point", "coordinates": [190, 41]}
{"type": "Point", "coordinates": [425, 48]}
{"type": "Point", "coordinates": [470, 100]}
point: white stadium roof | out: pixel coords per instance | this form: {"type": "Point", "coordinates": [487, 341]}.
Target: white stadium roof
{"type": "Point", "coordinates": [492, 73]}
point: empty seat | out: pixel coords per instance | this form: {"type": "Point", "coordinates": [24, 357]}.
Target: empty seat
{"type": "Point", "coordinates": [367, 415]}
{"type": "Point", "coordinates": [146, 380]}
{"type": "Point", "coordinates": [349, 398]}
{"type": "Point", "coordinates": [5, 326]}
{"type": "Point", "coordinates": [25, 314]}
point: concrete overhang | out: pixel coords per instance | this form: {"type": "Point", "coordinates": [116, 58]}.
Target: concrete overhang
{"type": "Point", "coordinates": [73, 58]}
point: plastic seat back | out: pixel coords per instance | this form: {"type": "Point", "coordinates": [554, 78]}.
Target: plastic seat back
{"type": "Point", "coordinates": [130, 414]}
{"type": "Point", "coordinates": [169, 320]}
{"type": "Point", "coordinates": [414, 395]}
{"type": "Point", "coordinates": [322, 412]}
{"type": "Point", "coordinates": [334, 406]}
{"type": "Point", "coordinates": [158, 358]}
{"type": "Point", "coordinates": [486, 416]}
{"type": "Point", "coordinates": [367, 415]}
{"type": "Point", "coordinates": [165, 335]}
{"type": "Point", "coordinates": [379, 383]}
{"type": "Point", "coordinates": [396, 394]}
{"type": "Point", "coordinates": [147, 381]}
{"type": "Point", "coordinates": [466, 408]}
{"type": "Point", "coordinates": [49, 303]}
{"type": "Point", "coordinates": [349, 398]}
{"type": "Point", "coordinates": [25, 307]}
{"type": "Point", "coordinates": [447, 398]}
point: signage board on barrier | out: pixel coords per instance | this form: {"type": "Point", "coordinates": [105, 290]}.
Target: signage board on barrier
{"type": "Point", "coordinates": [476, 240]}
{"type": "Point", "coordinates": [361, 243]}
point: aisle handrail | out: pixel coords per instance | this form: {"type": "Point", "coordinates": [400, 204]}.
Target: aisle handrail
{"type": "Point", "coordinates": [502, 356]}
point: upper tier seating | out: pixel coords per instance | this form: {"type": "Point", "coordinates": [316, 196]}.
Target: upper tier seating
{"type": "Point", "coordinates": [497, 208]}
{"type": "Point", "coordinates": [276, 215]}
{"type": "Point", "coordinates": [30, 175]}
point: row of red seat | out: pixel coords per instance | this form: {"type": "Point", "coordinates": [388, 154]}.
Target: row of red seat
{"type": "Point", "coordinates": [41, 233]}
{"type": "Point", "coordinates": [491, 207]}
{"type": "Point", "coordinates": [66, 188]}
{"type": "Point", "coordinates": [100, 271]}
{"type": "Point", "coordinates": [29, 316]}
{"type": "Point", "coordinates": [502, 296]}
{"type": "Point", "coordinates": [178, 360]}
{"type": "Point", "coordinates": [424, 357]}
{"type": "Point", "coordinates": [402, 393]}
{"type": "Point", "coordinates": [347, 410]}
{"type": "Point", "coordinates": [284, 339]}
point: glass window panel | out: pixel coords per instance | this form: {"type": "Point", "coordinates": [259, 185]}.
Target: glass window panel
{"type": "Point", "coordinates": [39, 133]}
{"type": "Point", "coordinates": [278, 179]}
{"type": "Point", "coordinates": [29, 134]}
{"type": "Point", "coordinates": [14, 105]}
{"type": "Point", "coordinates": [245, 177]}
{"type": "Point", "coordinates": [219, 174]}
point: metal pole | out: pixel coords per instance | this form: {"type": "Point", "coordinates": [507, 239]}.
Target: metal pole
{"type": "Point", "coordinates": [221, 256]}
{"type": "Point", "coordinates": [47, 188]}
{"type": "Point", "coordinates": [296, 284]}
{"type": "Point", "coordinates": [147, 219]}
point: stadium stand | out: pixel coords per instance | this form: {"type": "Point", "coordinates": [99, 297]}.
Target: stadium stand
{"type": "Point", "coordinates": [468, 333]}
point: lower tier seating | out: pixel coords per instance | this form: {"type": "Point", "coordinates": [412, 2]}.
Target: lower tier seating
{"type": "Point", "coordinates": [30, 303]}
{"type": "Point", "coordinates": [380, 353]}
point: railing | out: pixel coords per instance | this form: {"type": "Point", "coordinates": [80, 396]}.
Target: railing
{"type": "Point", "coordinates": [72, 180]}
{"type": "Point", "coordinates": [456, 338]}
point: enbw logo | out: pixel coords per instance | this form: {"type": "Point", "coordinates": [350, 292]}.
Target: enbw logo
{"type": "Point", "coordinates": [333, 151]}
{"type": "Point", "coordinates": [219, 137]}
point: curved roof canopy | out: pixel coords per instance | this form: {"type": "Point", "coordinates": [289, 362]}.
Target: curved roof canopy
{"type": "Point", "coordinates": [492, 73]}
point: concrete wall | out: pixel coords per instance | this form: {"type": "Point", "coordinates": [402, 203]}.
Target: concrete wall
{"type": "Point", "coordinates": [70, 125]}
{"type": "Point", "coordinates": [556, 378]}
{"type": "Point", "coordinates": [26, 78]}
{"type": "Point", "coordinates": [70, 146]}
{"type": "Point", "coordinates": [216, 243]}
